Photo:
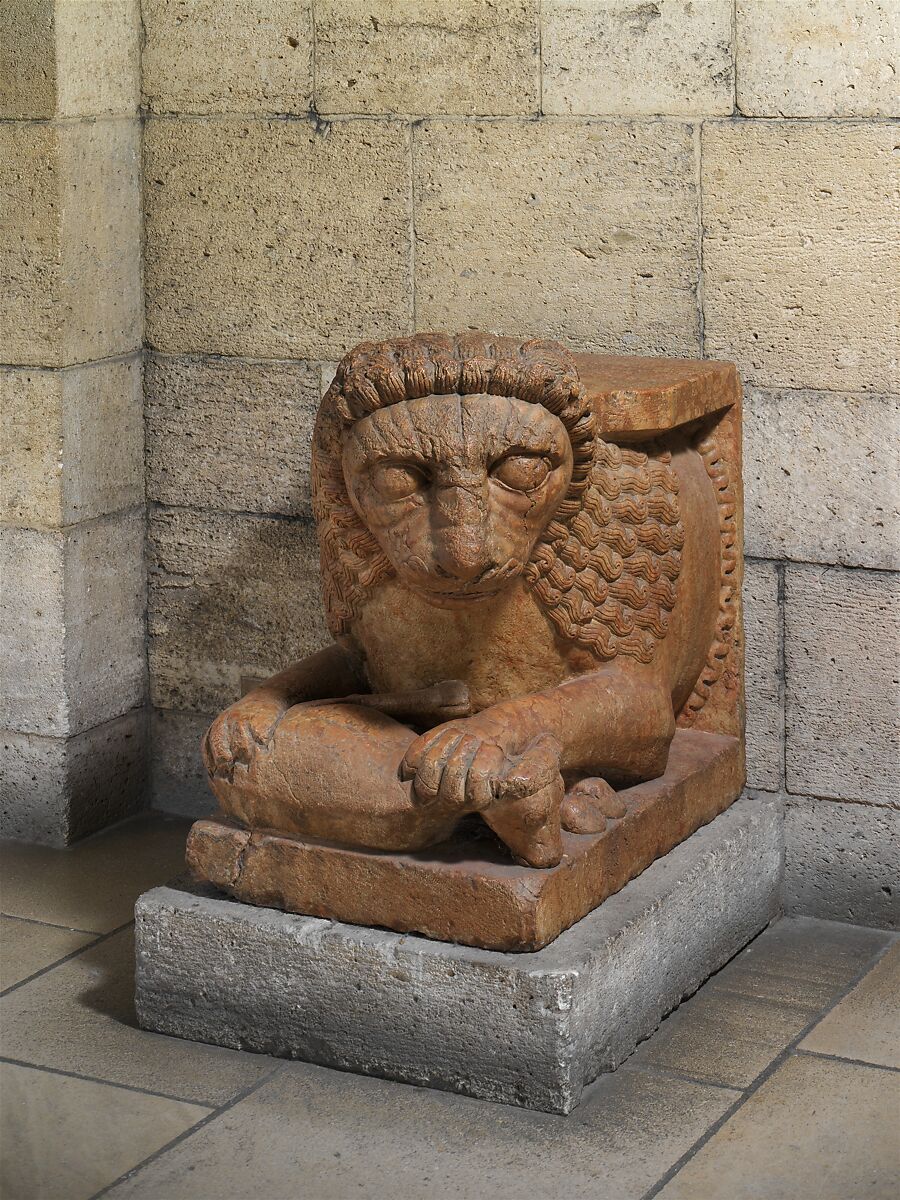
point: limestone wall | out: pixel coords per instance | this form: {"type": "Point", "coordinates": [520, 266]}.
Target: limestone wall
{"type": "Point", "coordinates": [705, 179]}
{"type": "Point", "coordinates": [72, 513]}
{"type": "Point", "coordinates": [669, 178]}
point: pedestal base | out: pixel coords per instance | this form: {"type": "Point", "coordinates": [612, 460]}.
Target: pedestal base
{"type": "Point", "coordinates": [529, 1029]}
{"type": "Point", "coordinates": [468, 889]}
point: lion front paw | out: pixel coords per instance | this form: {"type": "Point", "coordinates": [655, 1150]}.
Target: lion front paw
{"type": "Point", "coordinates": [474, 765]}
{"type": "Point", "coordinates": [589, 805]}
{"type": "Point", "coordinates": [239, 732]}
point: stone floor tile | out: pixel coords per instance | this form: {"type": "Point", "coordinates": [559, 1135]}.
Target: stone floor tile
{"type": "Point", "coordinates": [79, 1017]}
{"type": "Point", "coordinates": [722, 1037]}
{"type": "Point", "coordinates": [866, 1023]}
{"type": "Point", "coordinates": [816, 1130]}
{"type": "Point", "coordinates": [93, 884]}
{"type": "Point", "coordinates": [332, 1135]}
{"type": "Point", "coordinates": [27, 947]}
{"type": "Point", "coordinates": [65, 1138]}
{"type": "Point", "coordinates": [801, 961]}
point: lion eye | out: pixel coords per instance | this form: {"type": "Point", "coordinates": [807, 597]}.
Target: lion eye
{"type": "Point", "coordinates": [522, 472]}
{"type": "Point", "coordinates": [396, 481]}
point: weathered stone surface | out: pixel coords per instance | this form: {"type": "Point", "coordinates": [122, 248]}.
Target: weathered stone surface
{"type": "Point", "coordinates": [70, 242]}
{"type": "Point", "coordinates": [866, 1023]}
{"type": "Point", "coordinates": [828, 58]}
{"type": "Point", "coordinates": [227, 433]}
{"type": "Point", "coordinates": [29, 947]}
{"type": "Point", "coordinates": [261, 63]}
{"type": "Point", "coordinates": [105, 604]}
{"type": "Point", "coordinates": [93, 886]}
{"type": "Point", "coordinates": [98, 57]}
{"type": "Point", "coordinates": [229, 596]}
{"type": "Point", "coordinates": [27, 59]}
{"type": "Point", "coordinates": [34, 791]}
{"type": "Point", "coordinates": [524, 1029]}
{"type": "Point", "coordinates": [801, 961]}
{"type": "Point", "coordinates": [814, 1128]}
{"type": "Point", "coordinates": [635, 398]}
{"type": "Point", "coordinates": [72, 631]}
{"type": "Point", "coordinates": [298, 250]}
{"type": "Point", "coordinates": [32, 462]}
{"type": "Point", "coordinates": [592, 237]}
{"type": "Point", "coordinates": [178, 782]}
{"type": "Point", "coordinates": [386, 1141]}
{"type": "Point", "coordinates": [841, 861]}
{"type": "Point", "coordinates": [765, 686]}
{"type": "Point", "coordinates": [68, 58]}
{"type": "Point", "coordinates": [467, 890]}
{"type": "Point", "coordinates": [74, 1137]}
{"type": "Point", "coordinates": [800, 285]}
{"type": "Point", "coordinates": [721, 1037]}
{"type": "Point", "coordinates": [71, 442]}
{"type": "Point", "coordinates": [637, 59]}
{"type": "Point", "coordinates": [32, 631]}
{"type": "Point", "coordinates": [822, 475]}
{"type": "Point", "coordinates": [54, 790]}
{"type": "Point", "coordinates": [427, 57]}
{"type": "Point", "coordinates": [842, 645]}
{"type": "Point", "coordinates": [328, 370]}
{"type": "Point", "coordinates": [80, 1020]}
{"type": "Point", "coordinates": [71, 447]}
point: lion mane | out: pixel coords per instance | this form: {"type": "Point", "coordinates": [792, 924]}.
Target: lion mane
{"type": "Point", "coordinates": [606, 568]}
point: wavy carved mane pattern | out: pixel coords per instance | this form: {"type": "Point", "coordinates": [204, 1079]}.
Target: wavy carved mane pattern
{"type": "Point", "coordinates": [726, 622]}
{"type": "Point", "coordinates": [607, 578]}
{"type": "Point", "coordinates": [605, 570]}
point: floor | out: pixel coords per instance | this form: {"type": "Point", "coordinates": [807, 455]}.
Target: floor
{"type": "Point", "coordinates": [780, 1078]}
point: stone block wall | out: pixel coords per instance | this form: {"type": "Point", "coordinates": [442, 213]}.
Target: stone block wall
{"type": "Point", "coordinates": [715, 178]}
{"type": "Point", "coordinates": [73, 727]}
{"type": "Point", "coordinates": [706, 179]}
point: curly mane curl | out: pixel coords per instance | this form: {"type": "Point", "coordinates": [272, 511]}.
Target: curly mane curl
{"type": "Point", "coordinates": [605, 568]}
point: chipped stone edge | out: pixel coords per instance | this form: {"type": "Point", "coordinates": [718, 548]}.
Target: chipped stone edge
{"type": "Point", "coordinates": [529, 1030]}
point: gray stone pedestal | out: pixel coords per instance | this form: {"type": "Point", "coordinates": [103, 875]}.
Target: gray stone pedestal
{"type": "Point", "coordinates": [524, 1029]}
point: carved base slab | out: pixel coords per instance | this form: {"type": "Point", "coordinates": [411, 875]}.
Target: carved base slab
{"type": "Point", "coordinates": [467, 890]}
{"type": "Point", "coordinates": [526, 1029]}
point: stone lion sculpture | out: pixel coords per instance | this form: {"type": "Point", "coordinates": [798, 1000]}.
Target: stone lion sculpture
{"type": "Point", "coordinates": [519, 610]}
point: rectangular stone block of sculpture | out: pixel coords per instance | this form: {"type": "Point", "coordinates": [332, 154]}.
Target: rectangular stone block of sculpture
{"type": "Point", "coordinates": [527, 1029]}
{"type": "Point", "coordinates": [466, 889]}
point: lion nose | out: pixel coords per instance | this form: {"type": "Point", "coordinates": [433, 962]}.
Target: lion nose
{"type": "Point", "coordinates": [460, 558]}
{"type": "Point", "coordinates": [460, 533]}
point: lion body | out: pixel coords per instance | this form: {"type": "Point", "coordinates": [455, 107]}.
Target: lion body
{"type": "Point", "coordinates": [630, 571]}
{"type": "Point", "coordinates": [474, 528]}
{"type": "Point", "coordinates": [515, 643]}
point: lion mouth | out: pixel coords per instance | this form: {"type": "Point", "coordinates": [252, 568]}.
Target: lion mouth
{"type": "Point", "coordinates": [461, 597]}
{"type": "Point", "coordinates": [486, 586]}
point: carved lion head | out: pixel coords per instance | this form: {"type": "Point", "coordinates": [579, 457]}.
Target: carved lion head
{"type": "Point", "coordinates": [460, 463]}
